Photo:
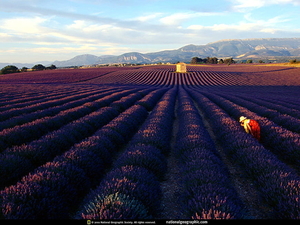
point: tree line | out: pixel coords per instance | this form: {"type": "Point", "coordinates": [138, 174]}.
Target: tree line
{"type": "Point", "coordinates": [211, 60]}
{"type": "Point", "coordinates": [13, 69]}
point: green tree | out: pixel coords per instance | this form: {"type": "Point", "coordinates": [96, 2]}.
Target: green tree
{"type": "Point", "coordinates": [52, 67]}
{"type": "Point", "coordinates": [194, 60]}
{"type": "Point", "coordinates": [249, 61]}
{"type": "Point", "coordinates": [212, 60]}
{"type": "Point", "coordinates": [24, 69]}
{"type": "Point", "coordinates": [9, 69]}
{"type": "Point", "coordinates": [38, 67]}
{"type": "Point", "coordinates": [229, 61]}
{"type": "Point", "coordinates": [197, 60]}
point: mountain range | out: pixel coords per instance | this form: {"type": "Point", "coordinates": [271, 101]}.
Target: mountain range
{"type": "Point", "coordinates": [239, 49]}
{"type": "Point", "coordinates": [235, 48]}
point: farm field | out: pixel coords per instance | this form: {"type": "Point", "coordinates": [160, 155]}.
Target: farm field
{"type": "Point", "coordinates": [148, 143]}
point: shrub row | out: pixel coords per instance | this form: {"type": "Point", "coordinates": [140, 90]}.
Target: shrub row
{"type": "Point", "coordinates": [166, 77]}
{"type": "Point", "coordinates": [131, 190]}
{"type": "Point", "coordinates": [34, 98]}
{"type": "Point", "coordinates": [129, 100]}
{"type": "Point", "coordinates": [44, 149]}
{"type": "Point", "coordinates": [279, 140]}
{"type": "Point", "coordinates": [150, 100]}
{"type": "Point", "coordinates": [43, 103]}
{"type": "Point", "coordinates": [46, 193]}
{"type": "Point", "coordinates": [123, 194]}
{"type": "Point", "coordinates": [289, 100]}
{"type": "Point", "coordinates": [282, 107]}
{"type": "Point", "coordinates": [58, 186]}
{"type": "Point", "coordinates": [277, 183]}
{"type": "Point", "coordinates": [35, 129]}
{"type": "Point", "coordinates": [52, 144]}
{"type": "Point", "coordinates": [156, 130]}
{"type": "Point", "coordinates": [285, 120]}
{"type": "Point", "coordinates": [208, 192]}
{"type": "Point", "coordinates": [53, 109]}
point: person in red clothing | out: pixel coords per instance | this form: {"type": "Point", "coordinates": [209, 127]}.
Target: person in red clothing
{"type": "Point", "coordinates": [251, 127]}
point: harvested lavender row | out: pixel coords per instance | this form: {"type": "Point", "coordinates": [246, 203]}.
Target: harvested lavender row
{"type": "Point", "coordinates": [277, 183]}
{"type": "Point", "coordinates": [208, 192]}
{"type": "Point", "coordinates": [131, 190]}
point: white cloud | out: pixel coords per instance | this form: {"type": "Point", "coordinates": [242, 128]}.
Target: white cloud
{"type": "Point", "coordinates": [248, 24]}
{"type": "Point", "coordinates": [5, 37]}
{"type": "Point", "coordinates": [87, 27]}
{"type": "Point", "coordinates": [196, 27]}
{"type": "Point", "coordinates": [148, 17]}
{"type": "Point", "coordinates": [225, 27]}
{"type": "Point", "coordinates": [78, 49]}
{"type": "Point", "coordinates": [269, 30]}
{"type": "Point", "coordinates": [177, 18]}
{"type": "Point", "coordinates": [38, 27]}
{"type": "Point", "coordinates": [242, 5]}
{"type": "Point", "coordinates": [23, 25]}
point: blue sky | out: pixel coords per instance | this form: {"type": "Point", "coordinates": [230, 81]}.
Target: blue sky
{"type": "Point", "coordinates": [40, 30]}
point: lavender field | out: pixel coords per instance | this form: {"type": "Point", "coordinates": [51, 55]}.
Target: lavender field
{"type": "Point", "coordinates": [148, 143]}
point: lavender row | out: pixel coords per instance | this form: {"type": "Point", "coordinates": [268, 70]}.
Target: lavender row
{"type": "Point", "coordinates": [18, 97]}
{"type": "Point", "coordinates": [41, 103]}
{"type": "Point", "coordinates": [288, 102]}
{"type": "Point", "coordinates": [282, 142]}
{"type": "Point", "coordinates": [285, 120]}
{"type": "Point", "coordinates": [128, 100]}
{"type": "Point", "coordinates": [159, 124]}
{"type": "Point", "coordinates": [138, 76]}
{"type": "Point", "coordinates": [54, 190]}
{"type": "Point", "coordinates": [166, 76]}
{"type": "Point", "coordinates": [50, 145]}
{"type": "Point", "coordinates": [44, 149]}
{"type": "Point", "coordinates": [150, 100]}
{"type": "Point", "coordinates": [208, 192]}
{"type": "Point", "coordinates": [277, 105]}
{"type": "Point", "coordinates": [287, 96]}
{"type": "Point", "coordinates": [35, 129]}
{"type": "Point", "coordinates": [283, 96]}
{"type": "Point", "coordinates": [131, 190]}
{"type": "Point", "coordinates": [55, 107]}
{"type": "Point", "coordinates": [277, 183]}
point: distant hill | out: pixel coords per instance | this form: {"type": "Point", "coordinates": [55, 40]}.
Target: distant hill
{"type": "Point", "coordinates": [80, 60]}
{"type": "Point", "coordinates": [236, 48]}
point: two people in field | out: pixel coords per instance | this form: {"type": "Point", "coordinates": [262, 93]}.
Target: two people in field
{"type": "Point", "coordinates": [251, 127]}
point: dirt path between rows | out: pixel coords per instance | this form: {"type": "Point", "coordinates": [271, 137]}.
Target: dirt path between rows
{"type": "Point", "coordinates": [171, 186]}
